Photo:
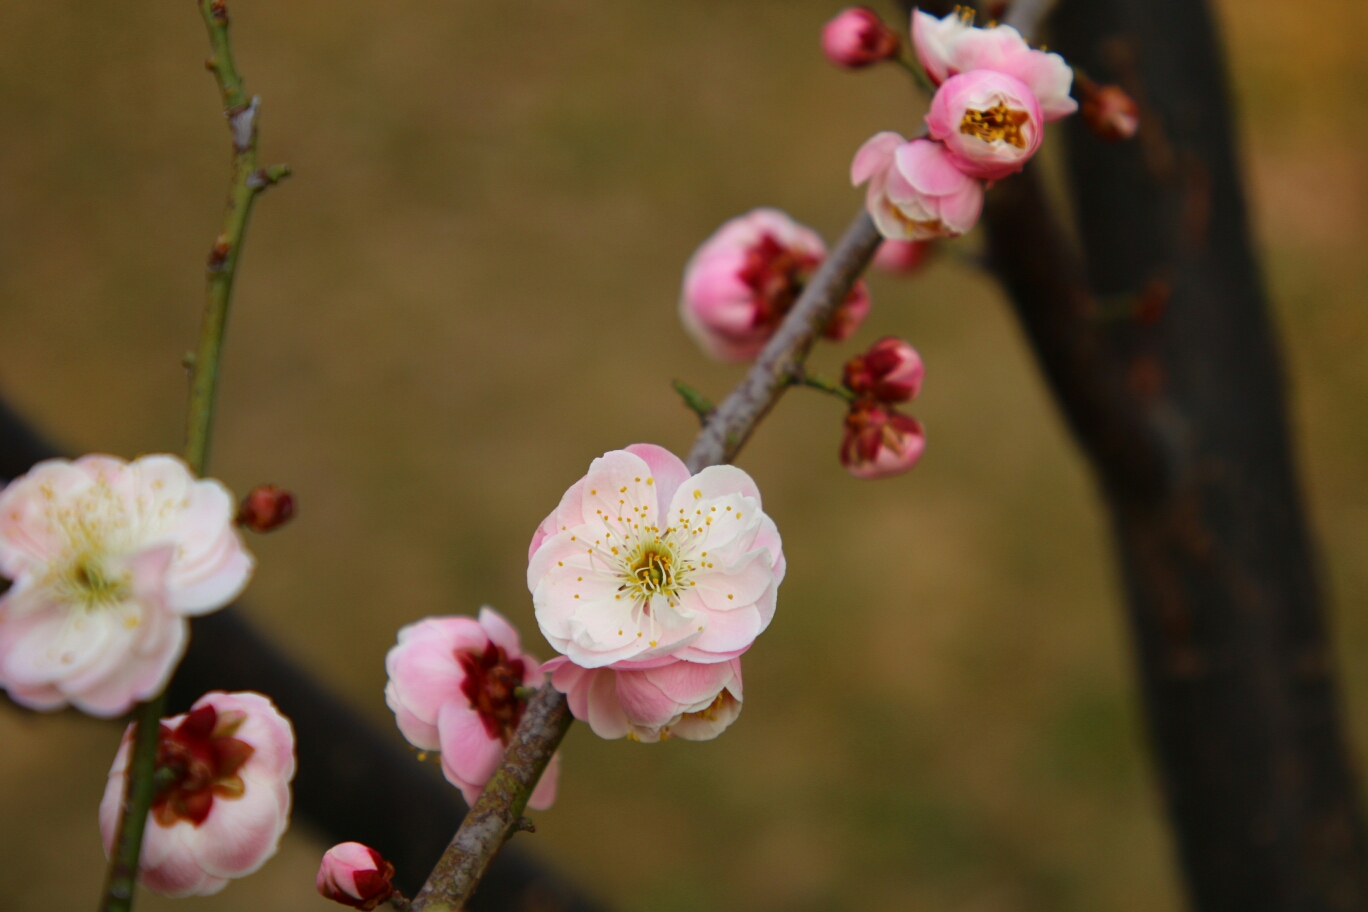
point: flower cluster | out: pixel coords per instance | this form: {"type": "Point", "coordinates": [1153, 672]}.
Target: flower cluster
{"type": "Point", "coordinates": [994, 94]}
{"type": "Point", "coordinates": [652, 582]}
{"type": "Point", "coordinates": [743, 280]}
{"type": "Point", "coordinates": [879, 440]}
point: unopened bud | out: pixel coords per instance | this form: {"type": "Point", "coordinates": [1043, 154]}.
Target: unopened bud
{"type": "Point", "coordinates": [1109, 112]}
{"type": "Point", "coordinates": [901, 257]}
{"type": "Point", "coordinates": [857, 38]}
{"type": "Point", "coordinates": [355, 875]}
{"type": "Point", "coordinates": [890, 371]}
{"type": "Point", "coordinates": [266, 508]}
{"type": "Point", "coordinates": [880, 441]}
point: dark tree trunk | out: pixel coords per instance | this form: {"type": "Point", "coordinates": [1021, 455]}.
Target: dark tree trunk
{"type": "Point", "coordinates": [1158, 346]}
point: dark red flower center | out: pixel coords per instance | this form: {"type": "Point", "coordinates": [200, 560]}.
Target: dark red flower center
{"type": "Point", "coordinates": [776, 274]}
{"type": "Point", "coordinates": [491, 683]}
{"type": "Point", "coordinates": [198, 761]}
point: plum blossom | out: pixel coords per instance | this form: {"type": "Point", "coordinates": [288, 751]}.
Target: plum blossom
{"type": "Point", "coordinates": [880, 441]}
{"type": "Point", "coordinates": [890, 370]}
{"type": "Point", "coordinates": [901, 257]}
{"type": "Point", "coordinates": [452, 683]}
{"type": "Point", "coordinates": [355, 875]}
{"type": "Point", "coordinates": [223, 803]}
{"type": "Point", "coordinates": [108, 558]}
{"type": "Point", "coordinates": [916, 192]}
{"type": "Point", "coordinates": [665, 699]}
{"type": "Point", "coordinates": [953, 45]}
{"type": "Point", "coordinates": [742, 281]}
{"type": "Point", "coordinates": [856, 38]}
{"type": "Point", "coordinates": [990, 123]}
{"type": "Point", "coordinates": [642, 561]}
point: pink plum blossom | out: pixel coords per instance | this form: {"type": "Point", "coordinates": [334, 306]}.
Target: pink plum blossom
{"type": "Point", "coordinates": [880, 441]}
{"type": "Point", "coordinates": [856, 38]}
{"type": "Point", "coordinates": [355, 875]}
{"type": "Point", "coordinates": [953, 45]}
{"type": "Point", "coordinates": [890, 370]}
{"type": "Point", "coordinates": [665, 699]}
{"type": "Point", "coordinates": [990, 123]}
{"type": "Point", "coordinates": [742, 281]}
{"type": "Point", "coordinates": [901, 257]}
{"type": "Point", "coordinates": [452, 683]}
{"type": "Point", "coordinates": [916, 192]}
{"type": "Point", "coordinates": [108, 558]}
{"type": "Point", "coordinates": [224, 803]}
{"type": "Point", "coordinates": [642, 561]}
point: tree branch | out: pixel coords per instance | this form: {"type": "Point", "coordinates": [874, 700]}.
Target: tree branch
{"type": "Point", "coordinates": [247, 182]}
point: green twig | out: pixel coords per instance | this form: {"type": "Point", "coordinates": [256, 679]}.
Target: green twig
{"type": "Point", "coordinates": [695, 400]}
{"type": "Point", "coordinates": [817, 382]}
{"type": "Point", "coordinates": [248, 180]}
{"type": "Point", "coordinates": [917, 73]}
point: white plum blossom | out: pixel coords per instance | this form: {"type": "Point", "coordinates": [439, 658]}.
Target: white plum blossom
{"type": "Point", "coordinates": [108, 558]}
{"type": "Point", "coordinates": [642, 560]}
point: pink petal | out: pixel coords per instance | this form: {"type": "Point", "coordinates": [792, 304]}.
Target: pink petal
{"type": "Point", "coordinates": [667, 469]}
{"type": "Point", "coordinates": [467, 749]}
{"type": "Point", "coordinates": [874, 156]}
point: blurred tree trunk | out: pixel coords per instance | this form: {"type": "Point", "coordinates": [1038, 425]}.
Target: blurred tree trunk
{"type": "Point", "coordinates": [1158, 345]}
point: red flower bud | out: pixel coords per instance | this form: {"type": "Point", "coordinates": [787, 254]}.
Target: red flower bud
{"type": "Point", "coordinates": [890, 371]}
{"type": "Point", "coordinates": [355, 875]}
{"type": "Point", "coordinates": [879, 441]}
{"type": "Point", "coordinates": [1109, 112]}
{"type": "Point", "coordinates": [266, 508]}
{"type": "Point", "coordinates": [857, 38]}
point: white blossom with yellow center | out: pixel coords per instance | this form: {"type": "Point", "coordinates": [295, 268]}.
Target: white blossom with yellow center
{"type": "Point", "coordinates": [642, 560]}
{"type": "Point", "coordinates": [107, 559]}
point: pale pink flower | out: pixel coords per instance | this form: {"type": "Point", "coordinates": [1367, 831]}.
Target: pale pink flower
{"type": "Point", "coordinates": [916, 192]}
{"type": "Point", "coordinates": [742, 281]}
{"type": "Point", "coordinates": [642, 561]}
{"type": "Point", "coordinates": [952, 45]}
{"type": "Point", "coordinates": [890, 370]}
{"type": "Point", "coordinates": [652, 701]}
{"type": "Point", "coordinates": [990, 123]}
{"type": "Point", "coordinates": [355, 875]}
{"type": "Point", "coordinates": [856, 38]}
{"type": "Point", "coordinates": [880, 441]}
{"type": "Point", "coordinates": [108, 558]}
{"type": "Point", "coordinates": [227, 766]}
{"type": "Point", "coordinates": [901, 257]}
{"type": "Point", "coordinates": [452, 683]}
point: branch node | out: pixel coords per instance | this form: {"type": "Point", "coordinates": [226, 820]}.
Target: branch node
{"type": "Point", "coordinates": [262, 178]}
{"type": "Point", "coordinates": [242, 121]}
{"type": "Point", "coordinates": [219, 10]}
{"type": "Point", "coordinates": [523, 825]}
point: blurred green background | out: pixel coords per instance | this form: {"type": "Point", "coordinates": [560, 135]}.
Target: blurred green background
{"type": "Point", "coordinates": [468, 292]}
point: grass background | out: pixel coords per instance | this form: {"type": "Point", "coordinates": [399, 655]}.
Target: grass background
{"type": "Point", "coordinates": [468, 292]}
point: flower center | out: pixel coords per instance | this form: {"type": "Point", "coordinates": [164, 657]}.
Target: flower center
{"type": "Point", "coordinates": [651, 568]}
{"type": "Point", "coordinates": [88, 584]}
{"type": "Point", "coordinates": [197, 762]}
{"type": "Point", "coordinates": [776, 274]}
{"type": "Point", "coordinates": [997, 123]}
{"type": "Point", "coordinates": [491, 683]}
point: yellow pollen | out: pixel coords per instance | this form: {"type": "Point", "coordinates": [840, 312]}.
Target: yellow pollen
{"type": "Point", "coordinates": [560, 563]}
{"type": "Point", "coordinates": [698, 495]}
{"type": "Point", "coordinates": [653, 642]}
{"type": "Point", "coordinates": [997, 123]}
{"type": "Point", "coordinates": [650, 481]}
{"type": "Point", "coordinates": [593, 490]}
{"type": "Point", "coordinates": [622, 490]}
{"type": "Point", "coordinates": [638, 478]}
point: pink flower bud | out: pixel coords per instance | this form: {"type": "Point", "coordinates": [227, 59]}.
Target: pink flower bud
{"type": "Point", "coordinates": [879, 441]}
{"type": "Point", "coordinates": [643, 561]}
{"type": "Point", "coordinates": [652, 701]}
{"type": "Point", "coordinates": [355, 875]}
{"type": "Point", "coordinates": [902, 257]}
{"type": "Point", "coordinates": [890, 371]}
{"type": "Point", "coordinates": [108, 559]}
{"type": "Point", "coordinates": [953, 45]}
{"type": "Point", "coordinates": [743, 280]}
{"type": "Point", "coordinates": [916, 192]}
{"type": "Point", "coordinates": [266, 508]}
{"type": "Point", "coordinates": [224, 772]}
{"type": "Point", "coordinates": [857, 38]}
{"type": "Point", "coordinates": [1109, 112]}
{"type": "Point", "coordinates": [990, 123]}
{"type": "Point", "coordinates": [453, 687]}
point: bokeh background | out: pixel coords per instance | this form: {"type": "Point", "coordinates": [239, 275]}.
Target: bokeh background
{"type": "Point", "coordinates": [468, 292]}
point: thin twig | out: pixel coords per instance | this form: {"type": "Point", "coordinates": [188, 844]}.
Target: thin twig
{"type": "Point", "coordinates": [497, 813]}
{"type": "Point", "coordinates": [248, 180]}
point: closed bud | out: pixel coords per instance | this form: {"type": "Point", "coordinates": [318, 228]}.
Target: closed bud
{"type": "Point", "coordinates": [901, 257]}
{"type": "Point", "coordinates": [266, 508]}
{"type": "Point", "coordinates": [890, 371]}
{"type": "Point", "coordinates": [355, 875]}
{"type": "Point", "coordinates": [1109, 112]}
{"type": "Point", "coordinates": [880, 441]}
{"type": "Point", "coordinates": [857, 38]}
